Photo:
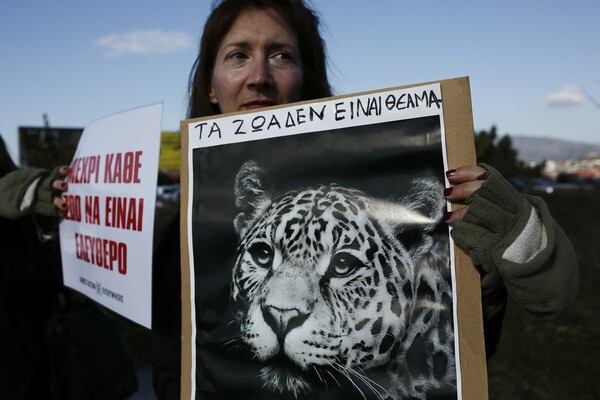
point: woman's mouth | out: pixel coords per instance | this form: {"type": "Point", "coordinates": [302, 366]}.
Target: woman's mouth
{"type": "Point", "coordinates": [251, 105]}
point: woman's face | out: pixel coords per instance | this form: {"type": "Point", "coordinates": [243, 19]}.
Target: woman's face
{"type": "Point", "coordinates": [257, 65]}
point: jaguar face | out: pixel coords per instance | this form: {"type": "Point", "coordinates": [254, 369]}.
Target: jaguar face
{"type": "Point", "coordinates": [321, 281]}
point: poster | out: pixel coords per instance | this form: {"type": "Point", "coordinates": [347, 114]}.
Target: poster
{"type": "Point", "coordinates": [106, 235]}
{"type": "Point", "coordinates": [315, 262]}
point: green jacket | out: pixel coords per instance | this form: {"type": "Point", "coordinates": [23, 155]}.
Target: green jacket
{"type": "Point", "coordinates": [13, 187]}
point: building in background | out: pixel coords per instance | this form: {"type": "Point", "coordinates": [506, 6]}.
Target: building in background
{"type": "Point", "coordinates": [587, 167]}
{"type": "Point", "coordinates": [46, 147]}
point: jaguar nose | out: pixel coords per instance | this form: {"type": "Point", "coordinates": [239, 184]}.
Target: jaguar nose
{"type": "Point", "coordinates": [283, 320]}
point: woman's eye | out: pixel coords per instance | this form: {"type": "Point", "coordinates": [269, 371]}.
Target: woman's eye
{"type": "Point", "coordinates": [343, 264]}
{"type": "Point", "coordinates": [236, 59]}
{"type": "Point", "coordinates": [262, 254]}
{"type": "Point", "coordinates": [282, 58]}
{"type": "Point", "coordinates": [237, 55]}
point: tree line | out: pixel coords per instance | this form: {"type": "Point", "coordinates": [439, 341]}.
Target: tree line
{"type": "Point", "coordinates": [498, 151]}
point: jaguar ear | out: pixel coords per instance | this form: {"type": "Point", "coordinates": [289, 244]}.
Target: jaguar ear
{"type": "Point", "coordinates": [424, 207]}
{"type": "Point", "coordinates": [253, 195]}
{"type": "Point", "coordinates": [427, 199]}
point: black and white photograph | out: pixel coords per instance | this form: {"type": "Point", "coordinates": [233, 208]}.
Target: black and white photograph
{"type": "Point", "coordinates": [328, 252]}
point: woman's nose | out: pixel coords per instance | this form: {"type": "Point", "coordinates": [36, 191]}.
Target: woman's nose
{"type": "Point", "coordinates": [260, 74]}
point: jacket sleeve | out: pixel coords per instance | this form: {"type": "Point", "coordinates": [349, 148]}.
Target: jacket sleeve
{"type": "Point", "coordinates": [544, 284]}
{"type": "Point", "coordinates": [13, 187]}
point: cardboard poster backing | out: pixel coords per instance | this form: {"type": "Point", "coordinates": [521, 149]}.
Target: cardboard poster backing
{"type": "Point", "coordinates": [458, 124]}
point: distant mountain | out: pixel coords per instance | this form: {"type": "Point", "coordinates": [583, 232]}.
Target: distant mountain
{"type": "Point", "coordinates": [532, 148]}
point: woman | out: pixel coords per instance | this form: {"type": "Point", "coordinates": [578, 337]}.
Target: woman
{"type": "Point", "coordinates": [258, 53]}
{"type": "Point", "coordinates": [291, 71]}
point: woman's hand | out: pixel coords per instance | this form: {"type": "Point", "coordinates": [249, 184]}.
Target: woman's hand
{"type": "Point", "coordinates": [465, 183]}
{"type": "Point", "coordinates": [55, 184]}
{"type": "Point", "coordinates": [59, 186]}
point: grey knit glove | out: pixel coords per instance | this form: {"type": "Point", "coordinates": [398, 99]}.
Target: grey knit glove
{"type": "Point", "coordinates": [496, 216]}
{"type": "Point", "coordinates": [44, 199]}
{"type": "Point", "coordinates": [544, 284]}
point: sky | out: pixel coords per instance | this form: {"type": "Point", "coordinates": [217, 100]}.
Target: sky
{"type": "Point", "coordinates": [534, 66]}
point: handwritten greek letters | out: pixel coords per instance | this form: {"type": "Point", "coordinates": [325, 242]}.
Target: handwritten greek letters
{"type": "Point", "coordinates": [277, 121]}
{"type": "Point", "coordinates": [263, 123]}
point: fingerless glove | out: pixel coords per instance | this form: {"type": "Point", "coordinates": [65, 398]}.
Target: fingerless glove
{"type": "Point", "coordinates": [497, 214]}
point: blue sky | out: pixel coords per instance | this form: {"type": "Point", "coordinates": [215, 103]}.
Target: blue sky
{"type": "Point", "coordinates": [534, 66]}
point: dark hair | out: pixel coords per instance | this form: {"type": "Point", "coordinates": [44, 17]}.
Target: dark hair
{"type": "Point", "coordinates": [298, 15]}
{"type": "Point", "coordinates": [6, 163]}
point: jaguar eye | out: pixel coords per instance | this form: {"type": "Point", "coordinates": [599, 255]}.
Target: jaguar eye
{"type": "Point", "coordinates": [262, 254]}
{"type": "Point", "coordinates": [343, 264]}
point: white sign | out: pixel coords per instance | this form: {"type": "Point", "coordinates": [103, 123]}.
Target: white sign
{"type": "Point", "coordinates": [106, 235]}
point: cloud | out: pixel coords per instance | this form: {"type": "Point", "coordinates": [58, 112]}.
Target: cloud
{"type": "Point", "coordinates": [568, 96]}
{"type": "Point", "coordinates": [144, 42]}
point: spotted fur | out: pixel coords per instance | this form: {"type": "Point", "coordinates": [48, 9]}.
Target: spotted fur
{"type": "Point", "coordinates": [331, 284]}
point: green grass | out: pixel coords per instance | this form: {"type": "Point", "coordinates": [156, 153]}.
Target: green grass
{"type": "Point", "coordinates": [560, 358]}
